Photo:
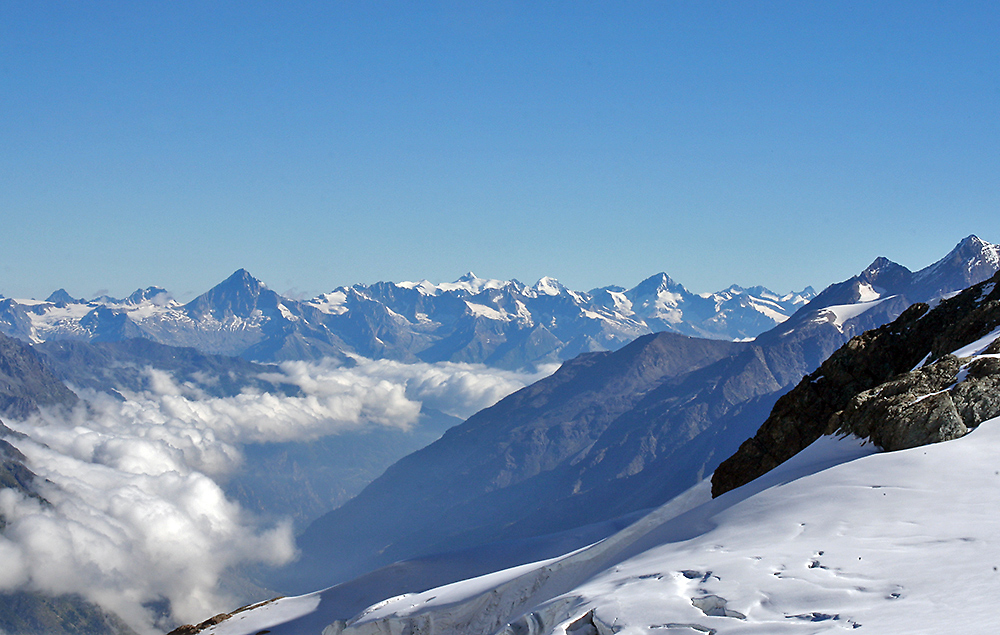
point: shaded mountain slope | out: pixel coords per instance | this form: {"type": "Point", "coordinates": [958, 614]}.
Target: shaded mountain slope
{"type": "Point", "coordinates": [25, 383]}
{"type": "Point", "coordinates": [553, 422]}
{"type": "Point", "coordinates": [124, 365]}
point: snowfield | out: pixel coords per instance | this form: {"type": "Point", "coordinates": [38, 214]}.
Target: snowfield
{"type": "Point", "coordinates": [839, 538]}
{"type": "Point", "coordinates": [840, 313]}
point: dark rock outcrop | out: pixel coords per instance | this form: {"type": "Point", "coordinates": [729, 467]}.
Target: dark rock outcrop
{"type": "Point", "coordinates": [933, 403]}
{"type": "Point", "coordinates": [868, 381]}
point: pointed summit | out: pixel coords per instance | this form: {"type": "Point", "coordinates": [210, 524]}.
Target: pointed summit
{"type": "Point", "coordinates": [242, 277]}
{"type": "Point", "coordinates": [468, 277]}
{"type": "Point", "coordinates": [885, 274]}
{"type": "Point", "coordinates": [240, 294]}
{"type": "Point", "coordinates": [970, 262]}
{"type": "Point", "coordinates": [61, 297]}
{"type": "Point", "coordinates": [655, 284]}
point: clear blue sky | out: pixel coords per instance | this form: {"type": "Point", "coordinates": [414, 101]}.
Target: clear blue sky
{"type": "Point", "coordinates": [327, 143]}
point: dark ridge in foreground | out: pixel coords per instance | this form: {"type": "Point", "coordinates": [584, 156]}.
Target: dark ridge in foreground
{"type": "Point", "coordinates": [871, 387]}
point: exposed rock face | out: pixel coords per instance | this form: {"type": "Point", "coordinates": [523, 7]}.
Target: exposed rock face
{"type": "Point", "coordinates": [25, 383]}
{"type": "Point", "coordinates": [866, 387]}
{"type": "Point", "coordinates": [935, 403]}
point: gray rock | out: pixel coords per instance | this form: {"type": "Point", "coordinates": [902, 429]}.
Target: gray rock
{"type": "Point", "coordinates": [868, 387]}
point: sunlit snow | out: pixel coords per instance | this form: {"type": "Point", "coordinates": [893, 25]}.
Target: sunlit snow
{"type": "Point", "coordinates": [840, 313]}
{"type": "Point", "coordinates": [838, 538]}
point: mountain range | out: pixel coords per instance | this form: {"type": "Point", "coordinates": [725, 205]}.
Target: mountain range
{"type": "Point", "coordinates": [831, 535]}
{"type": "Point", "coordinates": [553, 467]}
{"type": "Point", "coordinates": [609, 434]}
{"type": "Point", "coordinates": [500, 323]}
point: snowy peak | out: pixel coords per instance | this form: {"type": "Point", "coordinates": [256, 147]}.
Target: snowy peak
{"type": "Point", "coordinates": [156, 295]}
{"type": "Point", "coordinates": [469, 283]}
{"type": "Point", "coordinates": [657, 283]}
{"type": "Point", "coordinates": [734, 313]}
{"type": "Point", "coordinates": [238, 295]}
{"type": "Point", "coordinates": [548, 286]}
{"type": "Point", "coordinates": [971, 261]}
{"type": "Point", "coordinates": [332, 303]}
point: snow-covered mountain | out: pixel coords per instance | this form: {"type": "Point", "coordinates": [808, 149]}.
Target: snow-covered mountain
{"type": "Point", "coordinates": [884, 289]}
{"type": "Point", "coordinates": [607, 435]}
{"type": "Point", "coordinates": [501, 323]}
{"type": "Point", "coordinates": [837, 537]}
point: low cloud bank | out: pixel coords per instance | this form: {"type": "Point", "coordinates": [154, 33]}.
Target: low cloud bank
{"type": "Point", "coordinates": [136, 514]}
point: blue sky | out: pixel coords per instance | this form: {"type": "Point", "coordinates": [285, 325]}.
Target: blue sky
{"type": "Point", "coordinates": [326, 143]}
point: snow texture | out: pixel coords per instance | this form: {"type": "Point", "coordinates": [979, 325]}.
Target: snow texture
{"type": "Point", "coordinates": [838, 314]}
{"type": "Point", "coordinates": [838, 538]}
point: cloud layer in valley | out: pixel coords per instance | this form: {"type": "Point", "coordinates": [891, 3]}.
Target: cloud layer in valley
{"type": "Point", "coordinates": [135, 514]}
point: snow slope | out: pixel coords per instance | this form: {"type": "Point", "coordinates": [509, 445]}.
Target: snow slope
{"type": "Point", "coordinates": [838, 538]}
{"type": "Point", "coordinates": [838, 314]}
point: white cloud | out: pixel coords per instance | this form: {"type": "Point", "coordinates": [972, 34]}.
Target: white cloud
{"type": "Point", "coordinates": [136, 513]}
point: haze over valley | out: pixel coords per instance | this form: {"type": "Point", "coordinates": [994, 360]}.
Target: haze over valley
{"type": "Point", "coordinates": [340, 318]}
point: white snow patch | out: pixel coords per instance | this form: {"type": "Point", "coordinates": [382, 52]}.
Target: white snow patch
{"type": "Point", "coordinates": [481, 310]}
{"type": "Point", "coordinates": [841, 313]}
{"type": "Point", "coordinates": [867, 293]}
{"type": "Point", "coordinates": [468, 283]}
{"type": "Point", "coordinates": [622, 304]}
{"type": "Point", "coordinates": [268, 615]}
{"type": "Point", "coordinates": [285, 313]}
{"type": "Point", "coordinates": [331, 303]}
{"type": "Point", "coordinates": [977, 347]}
{"type": "Point", "coordinates": [768, 310]}
{"type": "Point", "coordinates": [548, 286]}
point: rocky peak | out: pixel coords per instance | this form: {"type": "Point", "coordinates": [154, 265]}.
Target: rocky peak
{"type": "Point", "coordinates": [149, 293]}
{"type": "Point", "coordinates": [60, 296]}
{"type": "Point", "coordinates": [858, 388]}
{"type": "Point", "coordinates": [654, 284]}
{"type": "Point", "coordinates": [239, 294]}
{"type": "Point", "coordinates": [971, 261]}
{"type": "Point", "coordinates": [886, 273]}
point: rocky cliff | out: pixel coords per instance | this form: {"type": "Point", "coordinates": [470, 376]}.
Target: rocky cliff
{"type": "Point", "coordinates": [928, 376]}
